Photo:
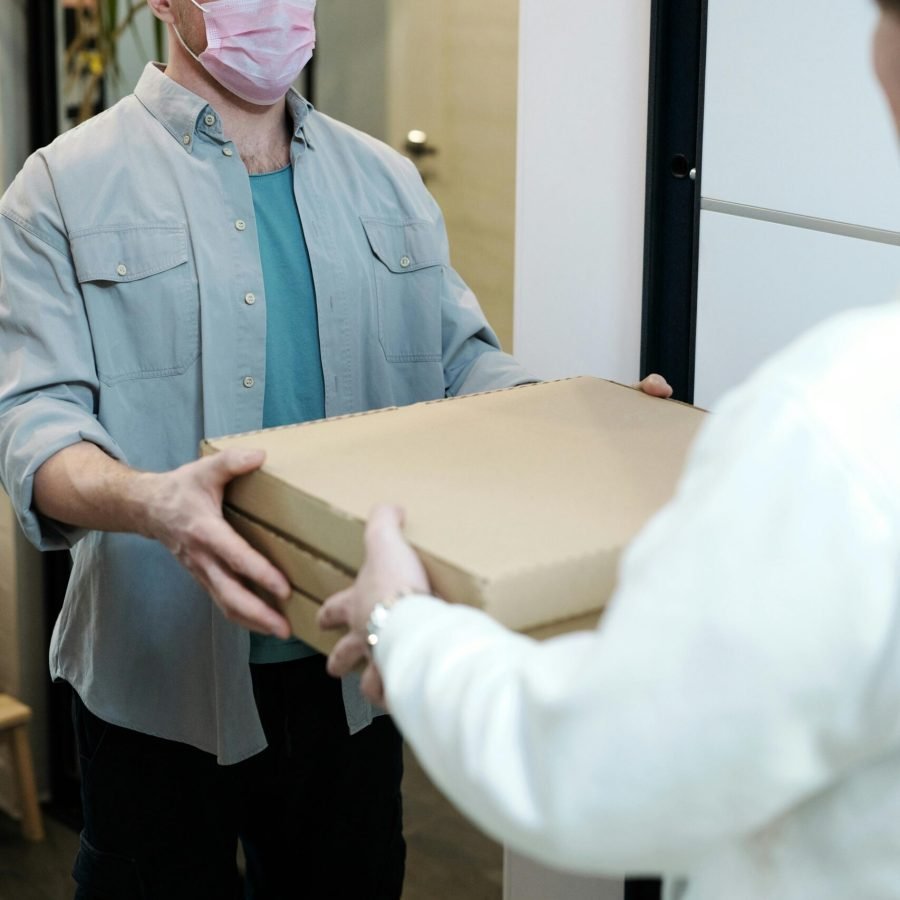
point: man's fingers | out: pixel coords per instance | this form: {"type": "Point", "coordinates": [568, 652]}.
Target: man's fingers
{"type": "Point", "coordinates": [242, 606]}
{"type": "Point", "coordinates": [334, 611]}
{"type": "Point", "coordinates": [656, 386]}
{"type": "Point", "coordinates": [224, 542]}
{"type": "Point", "coordinates": [230, 463]}
{"type": "Point", "coordinates": [348, 651]}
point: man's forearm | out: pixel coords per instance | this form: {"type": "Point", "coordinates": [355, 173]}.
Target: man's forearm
{"type": "Point", "coordinates": [83, 487]}
{"type": "Point", "coordinates": [182, 509]}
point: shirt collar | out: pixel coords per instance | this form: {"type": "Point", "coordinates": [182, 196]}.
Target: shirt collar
{"type": "Point", "coordinates": [182, 113]}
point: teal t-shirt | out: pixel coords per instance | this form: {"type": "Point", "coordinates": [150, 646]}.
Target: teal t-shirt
{"type": "Point", "coordinates": [295, 387]}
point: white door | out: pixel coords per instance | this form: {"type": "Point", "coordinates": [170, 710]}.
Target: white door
{"type": "Point", "coordinates": [800, 182]}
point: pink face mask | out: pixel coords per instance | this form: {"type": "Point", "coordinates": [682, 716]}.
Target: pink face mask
{"type": "Point", "coordinates": [257, 48]}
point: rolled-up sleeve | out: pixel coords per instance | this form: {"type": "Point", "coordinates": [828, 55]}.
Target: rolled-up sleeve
{"type": "Point", "coordinates": [48, 380]}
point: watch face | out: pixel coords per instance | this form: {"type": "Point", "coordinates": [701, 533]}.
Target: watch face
{"type": "Point", "coordinates": [376, 620]}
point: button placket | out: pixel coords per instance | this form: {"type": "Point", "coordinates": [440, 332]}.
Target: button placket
{"type": "Point", "coordinates": [237, 265]}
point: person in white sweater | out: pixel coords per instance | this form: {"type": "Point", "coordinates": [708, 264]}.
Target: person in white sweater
{"type": "Point", "coordinates": [736, 717]}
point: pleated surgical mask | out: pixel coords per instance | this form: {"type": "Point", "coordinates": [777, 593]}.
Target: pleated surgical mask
{"type": "Point", "coordinates": [256, 48]}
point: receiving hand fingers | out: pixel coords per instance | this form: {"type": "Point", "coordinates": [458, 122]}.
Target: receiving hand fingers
{"type": "Point", "coordinates": [347, 653]}
{"type": "Point", "coordinates": [335, 611]}
{"type": "Point", "coordinates": [372, 686]}
{"type": "Point", "coordinates": [385, 526]}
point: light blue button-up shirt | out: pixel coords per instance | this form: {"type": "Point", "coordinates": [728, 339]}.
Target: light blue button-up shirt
{"type": "Point", "coordinates": [128, 256]}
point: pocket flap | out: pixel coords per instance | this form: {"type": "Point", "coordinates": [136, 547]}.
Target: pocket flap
{"type": "Point", "coordinates": [128, 254]}
{"type": "Point", "coordinates": [405, 245]}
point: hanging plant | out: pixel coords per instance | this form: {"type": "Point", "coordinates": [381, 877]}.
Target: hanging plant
{"type": "Point", "coordinates": [91, 55]}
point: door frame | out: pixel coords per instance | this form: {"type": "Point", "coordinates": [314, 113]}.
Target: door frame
{"type": "Point", "coordinates": [674, 172]}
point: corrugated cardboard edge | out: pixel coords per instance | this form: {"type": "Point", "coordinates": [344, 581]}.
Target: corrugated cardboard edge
{"type": "Point", "coordinates": [338, 534]}
{"type": "Point", "coordinates": [302, 612]}
{"type": "Point", "coordinates": [207, 444]}
{"type": "Point", "coordinates": [305, 570]}
{"type": "Point", "coordinates": [518, 602]}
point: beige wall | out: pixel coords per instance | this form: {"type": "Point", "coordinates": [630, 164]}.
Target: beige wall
{"type": "Point", "coordinates": [23, 668]}
{"type": "Point", "coordinates": [14, 126]}
{"type": "Point", "coordinates": [23, 655]}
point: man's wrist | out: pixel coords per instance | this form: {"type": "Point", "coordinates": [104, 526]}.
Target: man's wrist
{"type": "Point", "coordinates": [141, 494]}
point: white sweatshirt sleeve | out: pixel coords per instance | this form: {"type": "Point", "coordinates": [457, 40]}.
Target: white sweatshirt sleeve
{"type": "Point", "coordinates": [731, 678]}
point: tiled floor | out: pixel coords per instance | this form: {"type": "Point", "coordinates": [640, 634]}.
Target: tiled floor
{"type": "Point", "coordinates": [448, 859]}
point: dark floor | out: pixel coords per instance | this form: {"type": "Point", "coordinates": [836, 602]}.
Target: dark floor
{"type": "Point", "coordinates": [448, 859]}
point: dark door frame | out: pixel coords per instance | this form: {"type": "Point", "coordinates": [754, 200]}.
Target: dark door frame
{"type": "Point", "coordinates": [672, 224]}
{"type": "Point", "coordinates": [674, 171]}
{"type": "Point", "coordinates": [43, 106]}
{"type": "Point", "coordinates": [43, 76]}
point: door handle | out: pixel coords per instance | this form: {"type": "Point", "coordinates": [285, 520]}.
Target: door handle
{"type": "Point", "coordinates": [417, 145]}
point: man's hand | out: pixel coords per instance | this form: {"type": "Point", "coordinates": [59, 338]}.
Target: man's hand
{"type": "Point", "coordinates": [83, 487]}
{"type": "Point", "coordinates": [655, 386]}
{"type": "Point", "coordinates": [391, 567]}
{"type": "Point", "coordinates": [184, 513]}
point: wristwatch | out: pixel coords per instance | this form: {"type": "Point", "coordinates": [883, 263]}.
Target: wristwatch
{"type": "Point", "coordinates": [379, 615]}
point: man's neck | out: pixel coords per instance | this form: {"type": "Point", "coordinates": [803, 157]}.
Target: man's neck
{"type": "Point", "coordinates": [262, 134]}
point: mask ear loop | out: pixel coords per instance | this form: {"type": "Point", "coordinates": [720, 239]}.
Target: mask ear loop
{"type": "Point", "coordinates": [183, 44]}
{"type": "Point", "coordinates": [181, 39]}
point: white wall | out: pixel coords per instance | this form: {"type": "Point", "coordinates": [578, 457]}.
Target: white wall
{"type": "Point", "coordinates": [583, 79]}
{"type": "Point", "coordinates": [582, 148]}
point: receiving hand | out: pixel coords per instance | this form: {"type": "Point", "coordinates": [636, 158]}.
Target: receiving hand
{"type": "Point", "coordinates": [184, 509]}
{"type": "Point", "coordinates": [391, 568]}
{"type": "Point", "coordinates": [655, 386]}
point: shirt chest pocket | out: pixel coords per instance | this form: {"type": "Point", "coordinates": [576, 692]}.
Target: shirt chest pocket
{"type": "Point", "coordinates": [142, 300]}
{"type": "Point", "coordinates": [409, 276]}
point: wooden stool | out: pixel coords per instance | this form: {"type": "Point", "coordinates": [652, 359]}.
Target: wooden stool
{"type": "Point", "coordinates": [14, 718]}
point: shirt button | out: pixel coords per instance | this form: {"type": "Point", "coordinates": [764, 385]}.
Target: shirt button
{"type": "Point", "coordinates": [241, 225]}
{"type": "Point", "coordinates": [121, 269]}
{"type": "Point", "coordinates": [228, 151]}
{"type": "Point", "coordinates": [405, 262]}
{"type": "Point", "coordinates": [250, 298]}
{"type": "Point", "coordinates": [186, 140]}
{"type": "Point", "coordinates": [249, 382]}
{"type": "Point", "coordinates": [210, 119]}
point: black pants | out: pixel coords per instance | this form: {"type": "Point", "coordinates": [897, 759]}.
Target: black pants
{"type": "Point", "coordinates": [318, 812]}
